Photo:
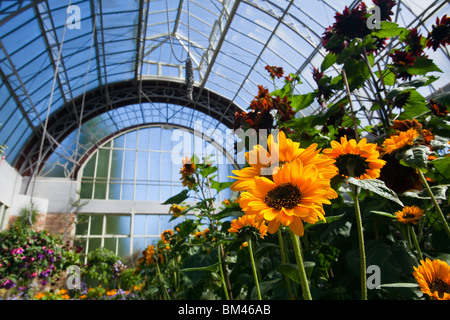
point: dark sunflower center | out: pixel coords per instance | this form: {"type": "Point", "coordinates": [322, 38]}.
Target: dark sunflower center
{"type": "Point", "coordinates": [355, 162]}
{"type": "Point", "coordinates": [440, 286]}
{"type": "Point", "coordinates": [285, 195]}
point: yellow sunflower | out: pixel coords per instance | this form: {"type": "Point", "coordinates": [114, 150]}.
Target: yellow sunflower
{"type": "Point", "coordinates": [361, 157]}
{"type": "Point", "coordinates": [433, 277]}
{"type": "Point", "coordinates": [296, 194]}
{"type": "Point", "coordinates": [176, 210]}
{"type": "Point", "coordinates": [409, 215]}
{"type": "Point", "coordinates": [247, 223]}
{"type": "Point", "coordinates": [400, 140]}
{"type": "Point", "coordinates": [264, 162]}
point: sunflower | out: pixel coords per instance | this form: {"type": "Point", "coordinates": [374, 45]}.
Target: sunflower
{"type": "Point", "coordinates": [296, 193]}
{"type": "Point", "coordinates": [246, 225]}
{"type": "Point", "coordinates": [400, 140]}
{"type": "Point", "coordinates": [186, 171]}
{"type": "Point", "coordinates": [385, 8]}
{"type": "Point", "coordinates": [440, 33]}
{"type": "Point", "coordinates": [433, 277]}
{"type": "Point", "coordinates": [264, 162]}
{"type": "Point", "coordinates": [176, 210]}
{"type": "Point", "coordinates": [362, 158]}
{"type": "Point", "coordinates": [409, 215]}
{"type": "Point", "coordinates": [166, 235]}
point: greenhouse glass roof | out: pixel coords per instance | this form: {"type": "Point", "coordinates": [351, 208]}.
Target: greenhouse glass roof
{"type": "Point", "coordinates": [65, 65]}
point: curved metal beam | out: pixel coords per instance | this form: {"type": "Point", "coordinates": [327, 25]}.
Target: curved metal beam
{"type": "Point", "coordinates": [65, 120]}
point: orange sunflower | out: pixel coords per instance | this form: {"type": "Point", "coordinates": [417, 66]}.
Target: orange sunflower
{"type": "Point", "coordinates": [409, 215]}
{"type": "Point", "coordinates": [295, 194]}
{"type": "Point", "coordinates": [166, 236]}
{"type": "Point", "coordinates": [186, 171]}
{"type": "Point", "coordinates": [400, 140]}
{"type": "Point", "coordinates": [265, 162]}
{"type": "Point", "coordinates": [433, 277]}
{"type": "Point", "coordinates": [246, 224]}
{"type": "Point", "coordinates": [176, 210]}
{"type": "Point", "coordinates": [362, 157]}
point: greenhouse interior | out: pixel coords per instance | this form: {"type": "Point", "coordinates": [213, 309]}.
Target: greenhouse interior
{"type": "Point", "coordinates": [224, 150]}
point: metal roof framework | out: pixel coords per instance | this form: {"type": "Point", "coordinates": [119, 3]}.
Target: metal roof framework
{"type": "Point", "coordinates": [56, 78]}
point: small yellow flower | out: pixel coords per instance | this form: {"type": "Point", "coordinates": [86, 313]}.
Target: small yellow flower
{"type": "Point", "coordinates": [39, 296]}
{"type": "Point", "coordinates": [65, 296]}
{"type": "Point", "coordinates": [83, 296]}
{"type": "Point", "coordinates": [111, 292]}
{"type": "Point", "coordinates": [409, 215]}
{"type": "Point", "coordinates": [245, 222]}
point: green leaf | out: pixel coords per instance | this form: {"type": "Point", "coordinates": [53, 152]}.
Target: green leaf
{"type": "Point", "coordinates": [388, 30]}
{"type": "Point", "coordinates": [210, 268]}
{"type": "Point", "coordinates": [219, 186]}
{"type": "Point", "coordinates": [207, 171]}
{"type": "Point", "coordinates": [179, 198]}
{"type": "Point", "coordinates": [290, 270]}
{"type": "Point", "coordinates": [357, 72]}
{"type": "Point", "coordinates": [381, 213]}
{"type": "Point", "coordinates": [442, 165]}
{"type": "Point", "coordinates": [376, 186]}
{"type": "Point", "coordinates": [416, 158]}
{"type": "Point", "coordinates": [328, 61]}
{"type": "Point", "coordinates": [388, 77]}
{"type": "Point", "coordinates": [421, 66]}
{"type": "Point", "coordinates": [299, 102]}
{"type": "Point", "coordinates": [398, 285]}
{"type": "Point", "coordinates": [414, 107]}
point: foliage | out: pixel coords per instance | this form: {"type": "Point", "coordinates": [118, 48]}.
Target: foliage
{"type": "Point", "coordinates": [28, 256]}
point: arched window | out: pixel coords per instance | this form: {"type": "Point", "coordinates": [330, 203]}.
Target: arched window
{"type": "Point", "coordinates": [142, 166]}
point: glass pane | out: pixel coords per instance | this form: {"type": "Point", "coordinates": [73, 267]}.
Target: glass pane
{"type": "Point", "coordinates": [116, 164]}
{"type": "Point", "coordinates": [86, 190]}
{"type": "Point", "coordinates": [100, 190]}
{"type": "Point", "coordinates": [141, 192]}
{"type": "Point", "coordinates": [103, 163]}
{"type": "Point", "coordinates": [129, 164]}
{"type": "Point", "coordinates": [82, 225]}
{"type": "Point", "coordinates": [94, 244]}
{"type": "Point", "coordinates": [142, 165]}
{"type": "Point", "coordinates": [166, 142]}
{"type": "Point", "coordinates": [130, 140]}
{"type": "Point", "coordinates": [124, 247]}
{"type": "Point", "coordinates": [166, 159]}
{"type": "Point", "coordinates": [110, 244]}
{"type": "Point", "coordinates": [139, 225]}
{"type": "Point", "coordinates": [164, 223]}
{"type": "Point", "coordinates": [155, 164]}
{"type": "Point", "coordinates": [114, 191]}
{"type": "Point", "coordinates": [96, 224]}
{"type": "Point", "coordinates": [118, 225]}
{"type": "Point", "coordinates": [139, 244]}
{"type": "Point", "coordinates": [89, 169]}
{"type": "Point", "coordinates": [144, 139]}
{"type": "Point", "coordinates": [153, 193]}
{"type": "Point", "coordinates": [155, 138]}
{"type": "Point", "coordinates": [127, 192]}
{"type": "Point", "coordinates": [119, 142]}
{"type": "Point", "coordinates": [152, 225]}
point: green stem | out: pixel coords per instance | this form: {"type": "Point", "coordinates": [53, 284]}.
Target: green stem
{"type": "Point", "coordinates": [163, 287]}
{"type": "Point", "coordinates": [301, 268]}
{"type": "Point", "coordinates": [436, 205]}
{"type": "Point", "coordinates": [255, 275]}
{"type": "Point", "coordinates": [362, 254]}
{"type": "Point", "coordinates": [284, 261]}
{"type": "Point", "coordinates": [222, 278]}
{"type": "Point", "coordinates": [416, 243]}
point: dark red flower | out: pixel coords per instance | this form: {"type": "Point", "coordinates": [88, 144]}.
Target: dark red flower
{"type": "Point", "coordinates": [440, 33]}
{"type": "Point", "coordinates": [401, 59]}
{"type": "Point", "coordinates": [333, 42]}
{"type": "Point", "coordinates": [414, 43]}
{"type": "Point", "coordinates": [385, 8]}
{"type": "Point", "coordinates": [352, 23]}
{"type": "Point", "coordinates": [401, 100]}
{"type": "Point", "coordinates": [438, 109]}
{"type": "Point", "coordinates": [274, 71]}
